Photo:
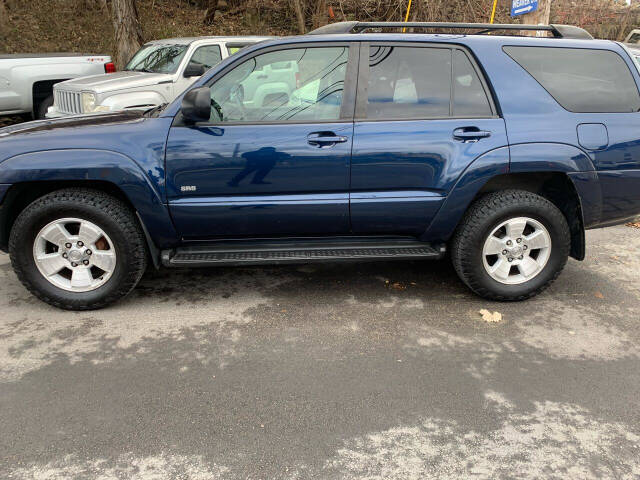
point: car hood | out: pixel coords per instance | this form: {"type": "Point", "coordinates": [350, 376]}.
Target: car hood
{"type": "Point", "coordinates": [114, 81]}
{"type": "Point", "coordinates": [71, 122]}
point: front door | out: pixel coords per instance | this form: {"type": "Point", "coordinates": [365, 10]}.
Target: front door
{"type": "Point", "coordinates": [272, 163]}
{"type": "Point", "coordinates": [423, 114]}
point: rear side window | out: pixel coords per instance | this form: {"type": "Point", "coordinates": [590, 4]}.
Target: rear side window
{"type": "Point", "coordinates": [423, 83]}
{"type": "Point", "coordinates": [469, 97]}
{"type": "Point", "coordinates": [581, 80]}
{"type": "Point", "coordinates": [407, 82]}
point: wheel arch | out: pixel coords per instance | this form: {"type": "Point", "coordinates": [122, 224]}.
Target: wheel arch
{"type": "Point", "coordinates": [21, 195]}
{"type": "Point", "coordinates": [556, 187]}
{"type": "Point", "coordinates": [40, 90]}
{"type": "Point", "coordinates": [559, 178]}
{"type": "Point", "coordinates": [36, 174]}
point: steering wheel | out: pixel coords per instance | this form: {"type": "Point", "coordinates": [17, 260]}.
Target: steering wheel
{"type": "Point", "coordinates": [217, 108]}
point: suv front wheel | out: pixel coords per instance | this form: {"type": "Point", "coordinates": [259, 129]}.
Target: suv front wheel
{"type": "Point", "coordinates": [511, 245]}
{"type": "Point", "coordinates": [78, 249]}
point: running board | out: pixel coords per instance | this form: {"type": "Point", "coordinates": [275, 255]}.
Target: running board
{"type": "Point", "coordinates": [300, 251]}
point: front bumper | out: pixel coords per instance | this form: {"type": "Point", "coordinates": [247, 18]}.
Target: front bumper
{"type": "Point", "coordinates": [53, 112]}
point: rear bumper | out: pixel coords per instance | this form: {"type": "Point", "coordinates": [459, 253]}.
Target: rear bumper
{"type": "Point", "coordinates": [620, 196]}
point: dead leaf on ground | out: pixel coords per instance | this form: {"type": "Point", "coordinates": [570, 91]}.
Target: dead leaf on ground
{"type": "Point", "coordinates": [598, 295]}
{"type": "Point", "coordinates": [633, 224]}
{"type": "Point", "coordinates": [490, 317]}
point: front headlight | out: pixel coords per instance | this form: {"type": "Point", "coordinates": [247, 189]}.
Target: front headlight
{"type": "Point", "coordinates": [88, 102]}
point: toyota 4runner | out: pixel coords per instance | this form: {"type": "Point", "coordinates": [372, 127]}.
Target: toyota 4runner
{"type": "Point", "coordinates": [498, 149]}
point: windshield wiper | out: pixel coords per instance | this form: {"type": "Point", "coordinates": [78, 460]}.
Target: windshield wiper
{"type": "Point", "coordinates": [145, 70]}
{"type": "Point", "coordinates": [155, 110]}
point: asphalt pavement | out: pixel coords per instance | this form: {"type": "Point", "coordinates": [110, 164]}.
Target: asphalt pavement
{"type": "Point", "coordinates": [338, 371]}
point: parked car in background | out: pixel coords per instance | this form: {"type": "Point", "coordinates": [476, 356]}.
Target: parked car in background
{"type": "Point", "coordinates": [157, 73]}
{"type": "Point", "coordinates": [501, 150]}
{"type": "Point", "coordinates": [633, 37]}
{"type": "Point", "coordinates": [27, 80]}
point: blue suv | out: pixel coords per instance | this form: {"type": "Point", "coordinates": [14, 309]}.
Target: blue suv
{"type": "Point", "coordinates": [370, 143]}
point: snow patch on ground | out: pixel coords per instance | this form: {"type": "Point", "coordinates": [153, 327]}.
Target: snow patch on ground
{"type": "Point", "coordinates": [554, 441]}
{"type": "Point", "coordinates": [156, 467]}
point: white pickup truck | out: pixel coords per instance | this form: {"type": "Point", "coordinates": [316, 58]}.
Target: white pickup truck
{"type": "Point", "coordinates": [157, 73]}
{"type": "Point", "coordinates": [27, 80]}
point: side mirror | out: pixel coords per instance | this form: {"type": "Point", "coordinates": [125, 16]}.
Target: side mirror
{"type": "Point", "coordinates": [196, 105]}
{"type": "Point", "coordinates": [194, 69]}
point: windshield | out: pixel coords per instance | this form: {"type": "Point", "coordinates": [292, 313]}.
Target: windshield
{"type": "Point", "coordinates": [157, 58]}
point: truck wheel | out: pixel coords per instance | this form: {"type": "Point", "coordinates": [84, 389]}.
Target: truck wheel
{"type": "Point", "coordinates": [78, 249]}
{"type": "Point", "coordinates": [511, 245]}
{"type": "Point", "coordinates": [44, 107]}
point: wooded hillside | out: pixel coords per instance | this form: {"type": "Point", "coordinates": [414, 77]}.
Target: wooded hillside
{"type": "Point", "coordinates": [87, 25]}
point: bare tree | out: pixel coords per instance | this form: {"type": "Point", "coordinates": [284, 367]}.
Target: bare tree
{"type": "Point", "coordinates": [298, 7]}
{"type": "Point", "coordinates": [210, 14]}
{"type": "Point", "coordinates": [3, 18]}
{"type": "Point", "coordinates": [128, 32]}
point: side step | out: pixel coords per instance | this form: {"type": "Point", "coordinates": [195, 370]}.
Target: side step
{"type": "Point", "coordinates": [299, 251]}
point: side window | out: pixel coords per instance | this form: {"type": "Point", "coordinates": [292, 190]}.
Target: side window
{"type": "Point", "coordinates": [409, 82]}
{"type": "Point", "coordinates": [208, 55]}
{"type": "Point", "coordinates": [469, 96]}
{"type": "Point", "coordinates": [234, 48]}
{"type": "Point", "coordinates": [581, 80]}
{"type": "Point", "coordinates": [300, 84]}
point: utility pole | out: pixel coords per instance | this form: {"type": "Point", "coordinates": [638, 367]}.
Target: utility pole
{"type": "Point", "coordinates": [541, 16]}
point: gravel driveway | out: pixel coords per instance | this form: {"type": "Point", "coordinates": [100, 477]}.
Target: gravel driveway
{"type": "Point", "coordinates": [342, 371]}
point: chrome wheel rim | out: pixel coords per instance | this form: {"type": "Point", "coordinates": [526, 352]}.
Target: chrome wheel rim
{"type": "Point", "coordinates": [516, 251]}
{"type": "Point", "coordinates": [74, 254]}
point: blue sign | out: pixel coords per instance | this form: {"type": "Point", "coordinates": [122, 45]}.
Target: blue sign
{"type": "Point", "coordinates": [520, 7]}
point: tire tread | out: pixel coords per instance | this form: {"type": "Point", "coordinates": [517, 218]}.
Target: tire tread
{"type": "Point", "coordinates": [107, 204]}
{"type": "Point", "coordinates": [473, 224]}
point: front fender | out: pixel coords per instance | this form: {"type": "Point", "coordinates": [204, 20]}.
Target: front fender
{"type": "Point", "coordinates": [142, 100]}
{"type": "Point", "coordinates": [86, 165]}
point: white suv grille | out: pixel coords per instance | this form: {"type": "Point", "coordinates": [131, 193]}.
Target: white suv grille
{"type": "Point", "coordinates": [67, 102]}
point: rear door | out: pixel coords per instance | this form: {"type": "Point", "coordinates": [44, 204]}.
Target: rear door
{"type": "Point", "coordinates": [423, 114]}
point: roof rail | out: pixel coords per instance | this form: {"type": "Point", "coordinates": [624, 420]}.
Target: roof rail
{"type": "Point", "coordinates": [558, 31]}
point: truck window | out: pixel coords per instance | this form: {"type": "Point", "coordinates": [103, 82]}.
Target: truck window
{"type": "Point", "coordinates": [300, 84]}
{"type": "Point", "coordinates": [469, 97]}
{"type": "Point", "coordinates": [157, 58]}
{"type": "Point", "coordinates": [581, 80]}
{"type": "Point", "coordinates": [407, 82]}
{"type": "Point", "coordinates": [208, 55]}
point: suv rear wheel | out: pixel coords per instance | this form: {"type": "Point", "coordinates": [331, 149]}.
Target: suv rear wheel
{"type": "Point", "coordinates": [511, 245]}
{"type": "Point", "coordinates": [78, 249]}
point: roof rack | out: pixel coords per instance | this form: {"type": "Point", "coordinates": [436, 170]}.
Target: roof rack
{"type": "Point", "coordinates": [558, 31]}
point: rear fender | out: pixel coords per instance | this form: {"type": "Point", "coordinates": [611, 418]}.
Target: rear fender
{"type": "Point", "coordinates": [558, 157]}
{"type": "Point", "coordinates": [483, 168]}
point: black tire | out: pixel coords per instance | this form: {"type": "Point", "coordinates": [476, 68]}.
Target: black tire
{"type": "Point", "coordinates": [41, 112]}
{"type": "Point", "coordinates": [482, 218]}
{"type": "Point", "coordinates": [110, 214]}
